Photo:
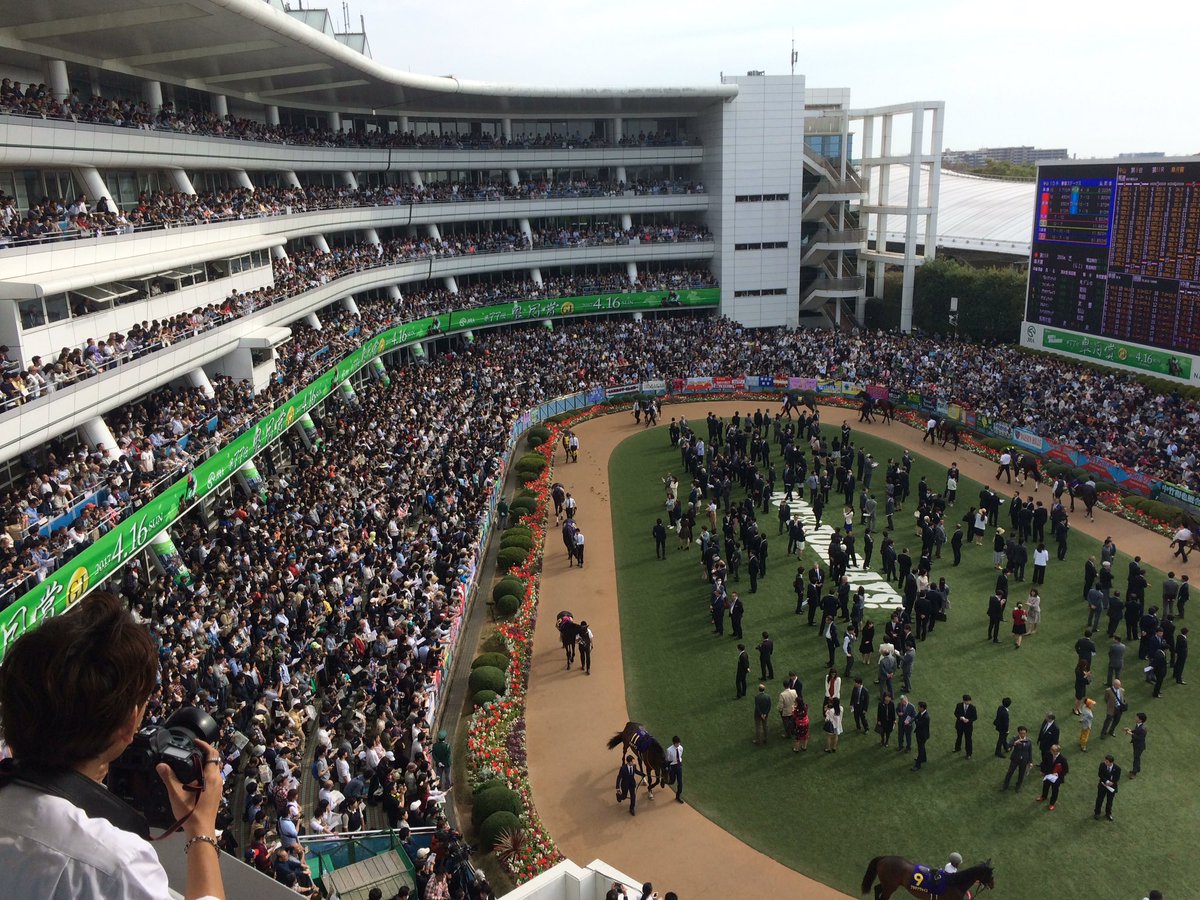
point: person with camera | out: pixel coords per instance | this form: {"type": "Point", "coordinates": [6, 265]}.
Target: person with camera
{"type": "Point", "coordinates": [72, 695]}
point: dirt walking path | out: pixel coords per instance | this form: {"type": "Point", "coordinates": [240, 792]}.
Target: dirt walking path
{"type": "Point", "coordinates": [571, 716]}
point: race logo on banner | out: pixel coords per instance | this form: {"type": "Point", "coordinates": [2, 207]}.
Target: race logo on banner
{"type": "Point", "coordinates": [1028, 439]}
{"type": "Point", "coordinates": [877, 391]}
{"type": "Point", "coordinates": [617, 390]}
{"type": "Point", "coordinates": [765, 382]}
{"type": "Point", "coordinates": [802, 384]}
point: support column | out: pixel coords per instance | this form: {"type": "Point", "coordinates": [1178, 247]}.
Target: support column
{"type": "Point", "coordinates": [626, 221]}
{"type": "Point", "coordinates": [198, 378]}
{"type": "Point", "coordinates": [910, 220]}
{"type": "Point", "coordinates": [535, 275]}
{"type": "Point", "coordinates": [404, 126]}
{"type": "Point", "coordinates": [307, 430]}
{"type": "Point", "coordinates": [450, 284]}
{"type": "Point", "coordinates": [335, 121]}
{"type": "Point", "coordinates": [526, 230]}
{"type": "Point", "coordinates": [632, 272]}
{"type": "Point", "coordinates": [312, 321]}
{"type": "Point", "coordinates": [415, 177]}
{"type": "Point", "coordinates": [349, 180]}
{"type": "Point", "coordinates": [241, 179]}
{"type": "Point", "coordinates": [220, 106]}
{"type": "Point", "coordinates": [433, 231]}
{"type": "Point", "coordinates": [885, 179]}
{"type": "Point", "coordinates": [618, 129]}
{"type": "Point", "coordinates": [278, 252]}
{"type": "Point", "coordinates": [181, 182]}
{"type": "Point", "coordinates": [380, 372]}
{"type": "Point", "coordinates": [94, 185]}
{"type": "Point", "coordinates": [168, 559]}
{"type": "Point", "coordinates": [152, 94]}
{"type": "Point", "coordinates": [394, 293]}
{"type": "Point", "coordinates": [318, 241]}
{"type": "Point", "coordinates": [290, 178]}
{"type": "Point", "coordinates": [506, 129]}
{"type": "Point", "coordinates": [250, 481]}
{"type": "Point", "coordinates": [371, 236]}
{"type": "Point", "coordinates": [272, 114]}
{"type": "Point", "coordinates": [348, 390]}
{"type": "Point", "coordinates": [56, 78]}
{"type": "Point", "coordinates": [349, 305]}
{"type": "Point", "coordinates": [514, 177]}
{"type": "Point", "coordinates": [622, 175]}
{"type": "Point", "coordinates": [95, 431]}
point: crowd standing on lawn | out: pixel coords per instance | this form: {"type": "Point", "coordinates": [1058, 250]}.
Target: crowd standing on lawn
{"type": "Point", "coordinates": [733, 470]}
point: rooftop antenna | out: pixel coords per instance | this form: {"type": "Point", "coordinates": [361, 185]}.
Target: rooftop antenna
{"type": "Point", "coordinates": [794, 55]}
{"type": "Point", "coordinates": [346, 15]}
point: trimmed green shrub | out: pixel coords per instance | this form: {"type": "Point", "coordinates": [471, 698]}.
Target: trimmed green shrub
{"type": "Point", "coordinates": [521, 506]}
{"type": "Point", "coordinates": [508, 585]}
{"type": "Point", "coordinates": [482, 697]}
{"type": "Point", "coordinates": [518, 528]}
{"type": "Point", "coordinates": [494, 800]}
{"type": "Point", "coordinates": [524, 541]}
{"type": "Point", "coordinates": [522, 493]}
{"type": "Point", "coordinates": [532, 461]}
{"type": "Point", "coordinates": [487, 678]}
{"type": "Point", "coordinates": [495, 825]}
{"type": "Point", "coordinates": [490, 783]}
{"type": "Point", "coordinates": [537, 435]}
{"type": "Point", "coordinates": [508, 605]}
{"type": "Point", "coordinates": [509, 557]}
{"type": "Point", "coordinates": [497, 660]}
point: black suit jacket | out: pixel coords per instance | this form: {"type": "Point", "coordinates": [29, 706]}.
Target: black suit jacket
{"type": "Point", "coordinates": [1114, 776]}
{"type": "Point", "coordinates": [1047, 736]}
{"type": "Point", "coordinates": [743, 664]}
{"type": "Point", "coordinates": [626, 778]}
{"type": "Point", "coordinates": [921, 726]}
{"type": "Point", "coordinates": [860, 698]}
{"type": "Point", "coordinates": [1001, 720]}
{"type": "Point", "coordinates": [965, 711]}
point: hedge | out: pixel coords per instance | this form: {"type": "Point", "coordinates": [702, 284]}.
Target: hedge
{"type": "Point", "coordinates": [494, 800]}
{"type": "Point", "coordinates": [521, 506]}
{"type": "Point", "coordinates": [493, 643]}
{"type": "Point", "coordinates": [496, 660]}
{"type": "Point", "coordinates": [509, 557]}
{"type": "Point", "coordinates": [486, 785]}
{"type": "Point", "coordinates": [532, 460]}
{"type": "Point", "coordinates": [482, 697]}
{"type": "Point", "coordinates": [524, 541]}
{"type": "Point", "coordinates": [487, 678]}
{"type": "Point", "coordinates": [508, 604]}
{"type": "Point", "coordinates": [509, 585]}
{"type": "Point", "coordinates": [537, 435]}
{"type": "Point", "coordinates": [496, 825]}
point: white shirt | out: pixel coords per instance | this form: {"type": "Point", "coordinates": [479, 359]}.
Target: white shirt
{"type": "Point", "coordinates": [674, 754]}
{"type": "Point", "coordinates": [51, 849]}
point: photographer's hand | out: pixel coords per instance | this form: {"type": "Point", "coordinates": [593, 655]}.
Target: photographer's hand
{"type": "Point", "coordinates": [203, 865]}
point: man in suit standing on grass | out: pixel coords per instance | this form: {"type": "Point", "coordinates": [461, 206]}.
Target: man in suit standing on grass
{"type": "Point", "coordinates": [965, 715]}
{"type": "Point", "coordinates": [1106, 790]}
{"type": "Point", "coordinates": [743, 669]}
{"type": "Point", "coordinates": [660, 540]}
{"type": "Point", "coordinates": [921, 729]}
{"type": "Point", "coordinates": [1047, 737]}
{"type": "Point", "coordinates": [1021, 759]}
{"type": "Point", "coordinates": [1000, 723]}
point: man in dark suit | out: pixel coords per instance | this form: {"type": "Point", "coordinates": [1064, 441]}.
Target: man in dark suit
{"type": "Point", "coordinates": [965, 715]}
{"type": "Point", "coordinates": [921, 729]}
{"type": "Point", "coordinates": [766, 650]}
{"type": "Point", "coordinates": [1047, 736]}
{"type": "Point", "coordinates": [859, 700]}
{"type": "Point", "coordinates": [753, 569]}
{"type": "Point", "coordinates": [1181, 652]}
{"type": "Point", "coordinates": [1021, 759]}
{"type": "Point", "coordinates": [627, 784]}
{"type": "Point", "coordinates": [1106, 791]}
{"type": "Point", "coordinates": [830, 633]}
{"type": "Point", "coordinates": [660, 540]}
{"type": "Point", "coordinates": [995, 613]}
{"type": "Point", "coordinates": [1000, 723]}
{"type": "Point", "coordinates": [906, 715]}
{"type": "Point", "coordinates": [1054, 773]}
{"type": "Point", "coordinates": [737, 609]}
{"type": "Point", "coordinates": [1137, 738]}
{"type": "Point", "coordinates": [743, 669]}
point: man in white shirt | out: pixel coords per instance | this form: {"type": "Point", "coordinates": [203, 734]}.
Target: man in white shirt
{"type": "Point", "coordinates": [1005, 469]}
{"type": "Point", "coordinates": [675, 766]}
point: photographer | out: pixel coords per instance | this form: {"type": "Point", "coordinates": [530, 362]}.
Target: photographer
{"type": "Point", "coordinates": [72, 695]}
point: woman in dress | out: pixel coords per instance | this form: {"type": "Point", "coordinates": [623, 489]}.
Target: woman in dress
{"type": "Point", "coordinates": [866, 644]}
{"type": "Point", "coordinates": [1033, 607]}
{"type": "Point", "coordinates": [1083, 677]}
{"type": "Point", "coordinates": [833, 723]}
{"type": "Point", "coordinates": [1019, 628]}
{"type": "Point", "coordinates": [800, 719]}
{"type": "Point", "coordinates": [885, 719]}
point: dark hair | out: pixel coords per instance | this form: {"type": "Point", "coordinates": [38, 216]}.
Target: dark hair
{"type": "Point", "coordinates": [69, 684]}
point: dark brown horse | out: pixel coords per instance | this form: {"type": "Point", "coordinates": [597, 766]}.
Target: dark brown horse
{"type": "Point", "coordinates": [896, 872]}
{"type": "Point", "coordinates": [947, 430]}
{"type": "Point", "coordinates": [1027, 466]}
{"type": "Point", "coordinates": [651, 757]}
{"type": "Point", "coordinates": [568, 633]}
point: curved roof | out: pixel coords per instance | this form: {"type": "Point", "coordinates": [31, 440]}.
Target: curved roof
{"type": "Point", "coordinates": [974, 213]}
{"type": "Point", "coordinates": [253, 50]}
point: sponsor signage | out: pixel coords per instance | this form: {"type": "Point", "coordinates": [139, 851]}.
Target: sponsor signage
{"type": "Point", "coordinates": [1147, 359]}
{"type": "Point", "coordinates": [523, 310]}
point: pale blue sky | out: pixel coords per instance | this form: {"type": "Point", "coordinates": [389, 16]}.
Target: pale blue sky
{"type": "Point", "coordinates": [1098, 78]}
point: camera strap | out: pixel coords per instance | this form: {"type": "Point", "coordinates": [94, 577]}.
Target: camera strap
{"type": "Point", "coordinates": [80, 791]}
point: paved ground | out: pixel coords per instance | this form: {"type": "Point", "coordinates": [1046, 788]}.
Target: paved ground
{"type": "Point", "coordinates": [571, 716]}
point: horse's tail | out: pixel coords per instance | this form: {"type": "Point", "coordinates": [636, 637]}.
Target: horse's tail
{"type": "Point", "coordinates": [618, 738]}
{"type": "Point", "coordinates": [869, 878]}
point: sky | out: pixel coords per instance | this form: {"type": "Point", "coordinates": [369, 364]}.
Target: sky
{"type": "Point", "coordinates": [1099, 78]}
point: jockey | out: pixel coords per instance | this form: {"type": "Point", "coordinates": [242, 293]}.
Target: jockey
{"type": "Point", "coordinates": [952, 865]}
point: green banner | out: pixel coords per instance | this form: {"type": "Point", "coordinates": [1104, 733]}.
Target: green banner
{"type": "Point", "coordinates": [1160, 362]}
{"type": "Point", "coordinates": [93, 565]}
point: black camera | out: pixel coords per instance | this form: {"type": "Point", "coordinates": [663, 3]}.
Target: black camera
{"type": "Point", "coordinates": [132, 776]}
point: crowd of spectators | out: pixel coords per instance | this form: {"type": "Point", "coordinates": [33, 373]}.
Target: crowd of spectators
{"type": "Point", "coordinates": [37, 100]}
{"type": "Point", "coordinates": [51, 220]}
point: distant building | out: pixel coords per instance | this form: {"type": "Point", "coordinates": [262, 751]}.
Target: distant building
{"type": "Point", "coordinates": [1158, 155]}
{"type": "Point", "coordinates": [1021, 156]}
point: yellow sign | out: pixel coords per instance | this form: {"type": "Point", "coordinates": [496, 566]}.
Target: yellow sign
{"type": "Point", "coordinates": [77, 586]}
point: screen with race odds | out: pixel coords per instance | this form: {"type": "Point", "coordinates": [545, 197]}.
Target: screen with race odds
{"type": "Point", "coordinates": [1116, 252]}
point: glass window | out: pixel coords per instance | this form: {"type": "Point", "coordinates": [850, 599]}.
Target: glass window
{"type": "Point", "coordinates": [31, 312]}
{"type": "Point", "coordinates": [56, 307]}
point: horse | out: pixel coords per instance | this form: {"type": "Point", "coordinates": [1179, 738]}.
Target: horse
{"type": "Point", "coordinates": [947, 430]}
{"type": "Point", "coordinates": [1087, 492]}
{"type": "Point", "coordinates": [651, 757]}
{"type": "Point", "coordinates": [1027, 466]}
{"type": "Point", "coordinates": [895, 872]}
{"type": "Point", "coordinates": [568, 633]}
{"type": "Point", "coordinates": [886, 409]}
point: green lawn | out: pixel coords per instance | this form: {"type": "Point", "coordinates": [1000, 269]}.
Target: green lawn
{"type": "Point", "coordinates": [827, 815]}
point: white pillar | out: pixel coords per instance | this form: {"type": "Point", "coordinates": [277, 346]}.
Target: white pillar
{"type": "Point", "coordinates": [349, 180]}
{"type": "Point", "coordinates": [371, 236]}
{"type": "Point", "coordinates": [152, 94]}
{"type": "Point", "coordinates": [935, 180]}
{"type": "Point", "coordinates": [626, 221]}
{"type": "Point", "coordinates": [394, 294]}
{"type": "Point", "coordinates": [514, 177]}
{"type": "Point", "coordinates": [241, 179]}
{"type": "Point", "coordinates": [335, 121]}
{"type": "Point", "coordinates": [631, 271]}
{"type": "Point", "coordinates": [56, 77]}
{"type": "Point", "coordinates": [622, 175]}
{"type": "Point", "coordinates": [506, 128]}
{"type": "Point", "coordinates": [618, 129]}
{"type": "Point", "coordinates": [198, 378]}
{"type": "Point", "coordinates": [415, 176]}
{"type": "Point", "coordinates": [290, 179]}
{"type": "Point", "coordinates": [312, 321]}
{"type": "Point", "coordinates": [450, 284]}
{"type": "Point", "coordinates": [95, 86]}
{"type": "Point", "coordinates": [220, 106]}
{"type": "Point", "coordinates": [535, 275]}
{"type": "Point", "coordinates": [433, 231]}
{"type": "Point", "coordinates": [180, 180]}
{"type": "Point", "coordinates": [910, 220]}
{"type": "Point", "coordinates": [318, 241]}
{"type": "Point", "coordinates": [96, 432]}
{"type": "Point", "coordinates": [404, 126]}
{"type": "Point", "coordinates": [526, 230]}
{"type": "Point", "coordinates": [278, 252]}
{"type": "Point", "coordinates": [350, 305]}
{"type": "Point", "coordinates": [94, 185]}
{"type": "Point", "coordinates": [272, 114]}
